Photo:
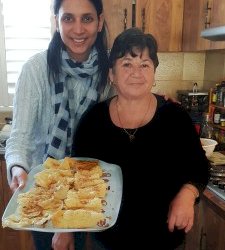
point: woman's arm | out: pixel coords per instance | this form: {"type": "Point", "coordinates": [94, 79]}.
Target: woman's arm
{"type": "Point", "coordinates": [21, 144]}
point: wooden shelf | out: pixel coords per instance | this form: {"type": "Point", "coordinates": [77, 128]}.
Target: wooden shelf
{"type": "Point", "coordinates": [216, 126]}
{"type": "Point", "coordinates": [219, 134]}
{"type": "Point", "coordinates": [217, 106]}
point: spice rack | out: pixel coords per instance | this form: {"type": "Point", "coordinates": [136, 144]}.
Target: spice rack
{"type": "Point", "coordinates": [212, 108]}
{"type": "Point", "coordinates": [217, 115]}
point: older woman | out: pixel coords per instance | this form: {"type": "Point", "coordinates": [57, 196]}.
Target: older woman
{"type": "Point", "coordinates": [146, 136]}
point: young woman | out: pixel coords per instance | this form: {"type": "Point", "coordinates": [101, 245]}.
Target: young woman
{"type": "Point", "coordinates": [54, 89]}
{"type": "Point", "coordinates": [146, 136]}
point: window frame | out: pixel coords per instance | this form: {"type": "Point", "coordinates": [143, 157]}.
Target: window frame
{"type": "Point", "coordinates": [6, 98]}
{"type": "Point", "coordinates": [4, 95]}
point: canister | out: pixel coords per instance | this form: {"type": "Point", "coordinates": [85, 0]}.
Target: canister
{"type": "Point", "coordinates": [222, 122]}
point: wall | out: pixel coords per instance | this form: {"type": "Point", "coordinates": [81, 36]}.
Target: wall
{"type": "Point", "coordinates": [179, 71]}
{"type": "Point", "coordinates": [214, 68]}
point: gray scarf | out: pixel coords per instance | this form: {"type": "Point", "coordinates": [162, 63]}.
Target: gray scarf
{"type": "Point", "coordinates": [67, 112]}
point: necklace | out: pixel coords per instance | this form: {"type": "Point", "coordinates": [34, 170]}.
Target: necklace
{"type": "Point", "coordinates": [131, 135]}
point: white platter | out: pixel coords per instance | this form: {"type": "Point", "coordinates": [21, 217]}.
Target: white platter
{"type": "Point", "coordinates": [113, 199]}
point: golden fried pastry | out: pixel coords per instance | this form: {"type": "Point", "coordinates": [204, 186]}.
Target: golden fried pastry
{"type": "Point", "coordinates": [51, 163]}
{"type": "Point", "coordinates": [79, 218]}
{"type": "Point", "coordinates": [67, 193]}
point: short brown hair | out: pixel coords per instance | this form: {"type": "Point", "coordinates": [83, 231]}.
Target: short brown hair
{"type": "Point", "coordinates": [131, 39]}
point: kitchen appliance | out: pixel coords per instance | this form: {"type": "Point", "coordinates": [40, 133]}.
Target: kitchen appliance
{"type": "Point", "coordinates": [217, 174]}
{"type": "Point", "coordinates": [217, 180]}
{"type": "Point", "coordinates": [215, 189]}
{"type": "Point", "coordinates": [195, 103]}
{"type": "Point", "coordinates": [214, 34]}
{"type": "Point", "coordinates": [5, 133]}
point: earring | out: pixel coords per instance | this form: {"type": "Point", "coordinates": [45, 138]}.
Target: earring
{"type": "Point", "coordinates": [110, 83]}
{"type": "Point", "coordinates": [154, 84]}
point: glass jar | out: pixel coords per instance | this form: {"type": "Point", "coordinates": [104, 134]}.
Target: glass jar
{"type": "Point", "coordinates": [222, 122]}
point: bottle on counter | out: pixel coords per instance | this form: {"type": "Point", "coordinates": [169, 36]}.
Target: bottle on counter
{"type": "Point", "coordinates": [216, 116]}
{"type": "Point", "coordinates": [214, 95]}
{"type": "Point", "coordinates": [222, 122]}
{"type": "Point", "coordinates": [206, 129]}
{"type": "Point", "coordinates": [220, 94]}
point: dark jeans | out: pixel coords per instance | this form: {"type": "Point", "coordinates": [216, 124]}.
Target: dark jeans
{"type": "Point", "coordinates": [43, 241]}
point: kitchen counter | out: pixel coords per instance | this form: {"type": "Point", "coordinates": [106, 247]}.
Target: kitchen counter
{"type": "Point", "coordinates": [209, 225]}
{"type": "Point", "coordinates": [215, 202]}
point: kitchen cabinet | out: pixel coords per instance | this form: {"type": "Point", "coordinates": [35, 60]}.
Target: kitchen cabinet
{"type": "Point", "coordinates": [194, 237]}
{"type": "Point", "coordinates": [213, 229]}
{"type": "Point", "coordinates": [162, 18]}
{"type": "Point", "coordinates": [199, 15]}
{"type": "Point", "coordinates": [217, 18]}
{"type": "Point", "coordinates": [118, 16]}
{"type": "Point", "coordinates": [11, 239]}
{"type": "Point", "coordinates": [194, 22]}
{"type": "Point", "coordinates": [208, 230]}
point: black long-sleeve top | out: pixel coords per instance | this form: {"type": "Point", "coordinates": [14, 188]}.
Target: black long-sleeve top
{"type": "Point", "coordinates": [165, 154]}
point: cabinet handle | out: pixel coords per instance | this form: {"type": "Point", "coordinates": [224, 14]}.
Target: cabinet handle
{"type": "Point", "coordinates": [207, 21]}
{"type": "Point", "coordinates": [208, 13]}
{"type": "Point", "coordinates": [143, 19]}
{"type": "Point", "coordinates": [125, 19]}
{"type": "Point", "coordinates": [208, 7]}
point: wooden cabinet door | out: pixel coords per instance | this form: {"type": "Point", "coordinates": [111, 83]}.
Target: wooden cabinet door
{"type": "Point", "coordinates": [208, 230]}
{"type": "Point", "coordinates": [199, 15]}
{"type": "Point", "coordinates": [118, 16]}
{"type": "Point", "coordinates": [213, 229]}
{"type": "Point", "coordinates": [194, 236]}
{"type": "Point", "coordinates": [163, 19]}
{"type": "Point", "coordinates": [217, 18]}
{"type": "Point", "coordinates": [193, 24]}
{"type": "Point", "coordinates": [11, 239]}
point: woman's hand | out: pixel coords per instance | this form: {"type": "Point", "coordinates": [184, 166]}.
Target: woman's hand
{"type": "Point", "coordinates": [169, 98]}
{"type": "Point", "coordinates": [19, 178]}
{"type": "Point", "coordinates": [181, 211]}
{"type": "Point", "coordinates": [63, 241]}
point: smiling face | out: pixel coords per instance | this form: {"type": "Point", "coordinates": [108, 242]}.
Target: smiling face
{"type": "Point", "coordinates": [78, 24]}
{"type": "Point", "coordinates": [133, 76]}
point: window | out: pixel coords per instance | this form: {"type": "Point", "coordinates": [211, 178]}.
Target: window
{"type": "Point", "coordinates": [26, 29]}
